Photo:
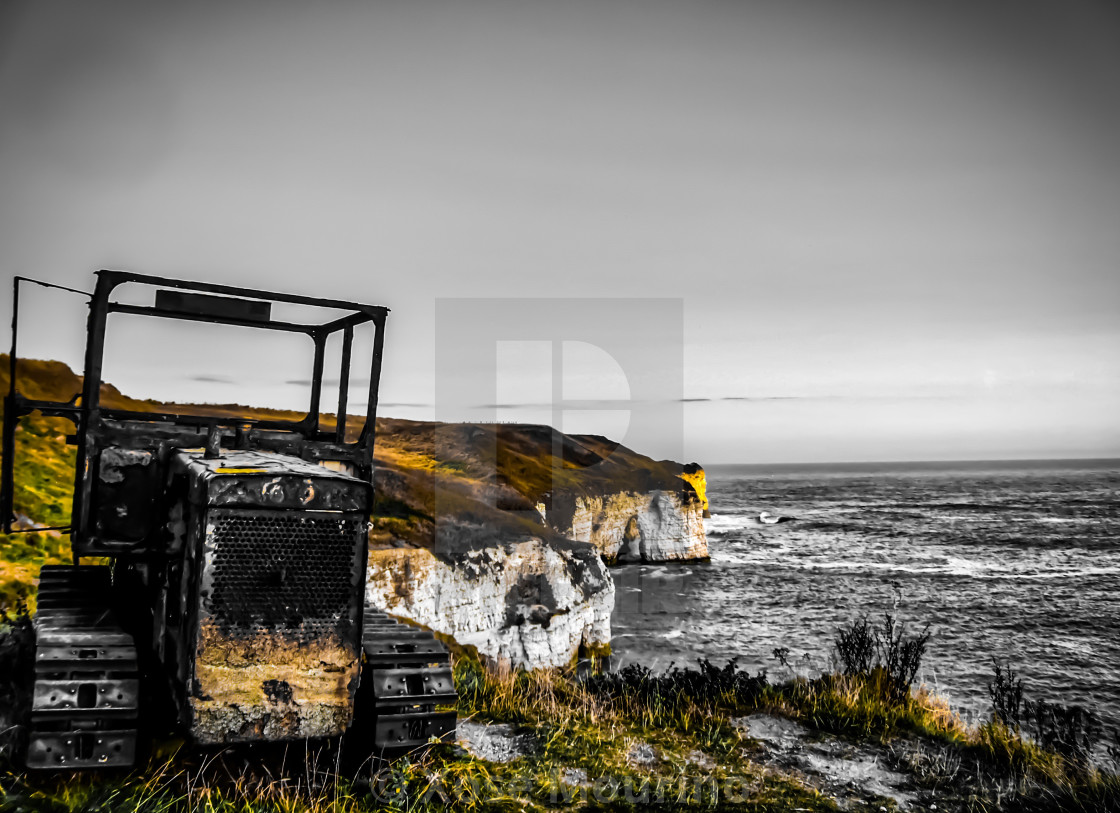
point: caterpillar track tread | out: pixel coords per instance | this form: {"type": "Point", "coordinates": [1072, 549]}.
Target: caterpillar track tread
{"type": "Point", "coordinates": [86, 692]}
{"type": "Point", "coordinates": [406, 678]}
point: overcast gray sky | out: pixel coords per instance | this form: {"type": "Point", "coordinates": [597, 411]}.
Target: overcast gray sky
{"type": "Point", "coordinates": [894, 226]}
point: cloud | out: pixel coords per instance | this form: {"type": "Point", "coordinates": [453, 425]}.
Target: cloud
{"type": "Point", "coordinates": [767, 398]}
{"type": "Point", "coordinates": [212, 379]}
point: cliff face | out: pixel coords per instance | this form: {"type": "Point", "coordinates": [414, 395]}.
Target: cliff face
{"type": "Point", "coordinates": [524, 604]}
{"type": "Point", "coordinates": [583, 487]}
{"type": "Point", "coordinates": [496, 534]}
{"type": "Point", "coordinates": [656, 526]}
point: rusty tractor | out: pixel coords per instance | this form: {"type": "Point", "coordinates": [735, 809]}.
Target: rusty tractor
{"type": "Point", "coordinates": [233, 602]}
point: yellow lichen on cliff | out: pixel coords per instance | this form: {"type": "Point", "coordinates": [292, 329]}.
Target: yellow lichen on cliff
{"type": "Point", "coordinates": [693, 474]}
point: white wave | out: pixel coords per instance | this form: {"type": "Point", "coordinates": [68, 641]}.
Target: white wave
{"type": "Point", "coordinates": [962, 569]}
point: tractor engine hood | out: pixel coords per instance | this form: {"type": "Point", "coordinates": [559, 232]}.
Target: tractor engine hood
{"type": "Point", "coordinates": [258, 479]}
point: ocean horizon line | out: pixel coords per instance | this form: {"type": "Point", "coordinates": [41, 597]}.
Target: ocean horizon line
{"type": "Point", "coordinates": [925, 465]}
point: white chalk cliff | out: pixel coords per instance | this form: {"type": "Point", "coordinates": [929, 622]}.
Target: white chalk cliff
{"type": "Point", "coordinates": [459, 548]}
{"type": "Point", "coordinates": [657, 526]}
{"type": "Point", "coordinates": [524, 605]}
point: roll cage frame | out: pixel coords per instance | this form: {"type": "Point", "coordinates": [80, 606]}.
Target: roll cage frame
{"type": "Point", "coordinates": [98, 426]}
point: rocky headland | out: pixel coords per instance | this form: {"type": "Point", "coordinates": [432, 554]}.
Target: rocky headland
{"type": "Point", "coordinates": [499, 535]}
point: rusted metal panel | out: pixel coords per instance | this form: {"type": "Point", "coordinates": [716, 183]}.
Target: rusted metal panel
{"type": "Point", "coordinates": [287, 491]}
{"type": "Point", "coordinates": [278, 649]}
{"type": "Point", "coordinates": [293, 573]}
{"type": "Point", "coordinates": [267, 687]}
{"type": "Point", "coordinates": [260, 479]}
{"type": "Point", "coordinates": [126, 493]}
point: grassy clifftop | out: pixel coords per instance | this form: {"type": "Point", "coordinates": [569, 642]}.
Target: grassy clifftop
{"type": "Point", "coordinates": [500, 473]}
{"type": "Point", "coordinates": [479, 483]}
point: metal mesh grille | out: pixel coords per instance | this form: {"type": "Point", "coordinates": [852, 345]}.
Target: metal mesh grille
{"type": "Point", "coordinates": [287, 573]}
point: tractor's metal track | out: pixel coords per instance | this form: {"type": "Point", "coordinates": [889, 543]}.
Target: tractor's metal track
{"type": "Point", "coordinates": [406, 677]}
{"type": "Point", "coordinates": [86, 694]}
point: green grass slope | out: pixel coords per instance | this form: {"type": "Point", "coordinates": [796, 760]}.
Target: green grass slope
{"type": "Point", "coordinates": [685, 739]}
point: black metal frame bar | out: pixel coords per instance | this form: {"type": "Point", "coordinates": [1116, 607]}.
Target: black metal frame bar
{"type": "Point", "coordinates": [343, 384]}
{"type": "Point", "coordinates": [86, 412]}
{"type": "Point", "coordinates": [16, 406]}
{"type": "Point", "coordinates": [139, 310]}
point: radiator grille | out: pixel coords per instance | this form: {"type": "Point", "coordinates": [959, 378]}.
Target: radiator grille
{"type": "Point", "coordinates": [292, 574]}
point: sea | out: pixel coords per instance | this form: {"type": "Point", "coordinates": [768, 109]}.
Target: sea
{"type": "Point", "coordinates": [1009, 562]}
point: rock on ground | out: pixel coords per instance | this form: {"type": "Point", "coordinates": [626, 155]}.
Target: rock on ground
{"type": "Point", "coordinates": [701, 760]}
{"type": "Point", "coordinates": [643, 754]}
{"type": "Point", "coordinates": [575, 776]}
{"type": "Point", "coordinates": [495, 742]}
